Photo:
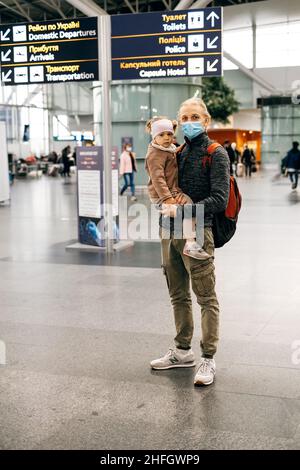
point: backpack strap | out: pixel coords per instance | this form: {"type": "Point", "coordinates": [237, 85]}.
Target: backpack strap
{"type": "Point", "coordinates": [210, 150]}
{"type": "Point", "coordinates": [212, 147]}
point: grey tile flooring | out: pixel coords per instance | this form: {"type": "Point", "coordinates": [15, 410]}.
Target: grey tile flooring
{"type": "Point", "coordinates": [80, 330]}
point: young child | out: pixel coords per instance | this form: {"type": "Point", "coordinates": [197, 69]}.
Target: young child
{"type": "Point", "coordinates": [161, 165]}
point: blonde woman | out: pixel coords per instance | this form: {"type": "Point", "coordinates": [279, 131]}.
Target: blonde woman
{"type": "Point", "coordinates": [162, 168]}
{"type": "Point", "coordinates": [206, 181]}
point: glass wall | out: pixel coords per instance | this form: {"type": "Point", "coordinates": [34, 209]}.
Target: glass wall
{"type": "Point", "coordinates": [280, 127]}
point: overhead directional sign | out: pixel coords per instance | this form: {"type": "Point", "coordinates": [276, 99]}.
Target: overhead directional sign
{"type": "Point", "coordinates": [167, 44]}
{"type": "Point", "coordinates": [49, 52]}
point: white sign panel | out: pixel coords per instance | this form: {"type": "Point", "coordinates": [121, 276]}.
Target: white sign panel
{"type": "Point", "coordinates": [89, 193]}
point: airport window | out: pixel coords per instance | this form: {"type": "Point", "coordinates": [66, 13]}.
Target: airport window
{"type": "Point", "coordinates": [22, 95]}
{"type": "Point", "coordinates": [228, 65]}
{"type": "Point", "coordinates": [6, 115]}
{"type": "Point", "coordinates": [278, 45]}
{"type": "Point", "coordinates": [239, 43]}
{"type": "Point", "coordinates": [60, 125]}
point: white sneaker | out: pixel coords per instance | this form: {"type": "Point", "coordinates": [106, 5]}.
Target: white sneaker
{"type": "Point", "coordinates": [133, 198]}
{"type": "Point", "coordinates": [174, 358]}
{"type": "Point", "coordinates": [206, 372]}
{"type": "Point", "coordinates": [194, 250]}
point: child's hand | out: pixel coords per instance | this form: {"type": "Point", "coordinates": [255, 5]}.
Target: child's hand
{"type": "Point", "coordinates": [171, 200]}
{"type": "Point", "coordinates": [181, 199]}
{"type": "Point", "coordinates": [168, 210]}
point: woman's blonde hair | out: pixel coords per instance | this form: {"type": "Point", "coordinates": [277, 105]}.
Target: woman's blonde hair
{"type": "Point", "coordinates": [158, 118]}
{"type": "Point", "coordinates": [198, 102]}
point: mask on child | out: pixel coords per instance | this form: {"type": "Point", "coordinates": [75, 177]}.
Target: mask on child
{"type": "Point", "coordinates": [129, 149]}
{"type": "Point", "coordinates": [192, 129]}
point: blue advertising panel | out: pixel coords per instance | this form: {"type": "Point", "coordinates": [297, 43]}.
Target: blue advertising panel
{"type": "Point", "coordinates": [167, 44]}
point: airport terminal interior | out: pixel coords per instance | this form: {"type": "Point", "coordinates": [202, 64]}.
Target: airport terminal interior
{"type": "Point", "coordinates": [81, 318]}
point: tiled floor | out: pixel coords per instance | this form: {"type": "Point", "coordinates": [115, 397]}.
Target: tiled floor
{"type": "Point", "coordinates": [80, 330]}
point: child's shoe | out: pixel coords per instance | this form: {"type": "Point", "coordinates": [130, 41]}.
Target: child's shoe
{"type": "Point", "coordinates": [194, 250]}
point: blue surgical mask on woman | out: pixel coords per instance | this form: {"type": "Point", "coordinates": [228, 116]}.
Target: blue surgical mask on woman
{"type": "Point", "coordinates": [192, 129]}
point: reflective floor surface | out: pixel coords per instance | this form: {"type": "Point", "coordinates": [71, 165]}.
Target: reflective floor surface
{"type": "Point", "coordinates": [79, 331]}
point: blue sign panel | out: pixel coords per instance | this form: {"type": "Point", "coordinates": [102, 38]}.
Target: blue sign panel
{"type": "Point", "coordinates": [49, 52]}
{"type": "Point", "coordinates": [167, 45]}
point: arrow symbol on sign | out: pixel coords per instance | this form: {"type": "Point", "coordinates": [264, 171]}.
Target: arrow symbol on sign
{"type": "Point", "coordinates": [4, 56]}
{"type": "Point", "coordinates": [211, 67]}
{"type": "Point", "coordinates": [213, 16]}
{"type": "Point", "coordinates": [5, 76]}
{"type": "Point", "coordinates": [211, 43]}
{"type": "Point", "coordinates": [4, 35]}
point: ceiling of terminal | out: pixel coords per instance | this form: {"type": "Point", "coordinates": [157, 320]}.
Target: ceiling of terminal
{"type": "Point", "coordinates": [15, 11]}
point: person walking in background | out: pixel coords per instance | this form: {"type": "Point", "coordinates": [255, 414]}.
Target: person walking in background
{"type": "Point", "coordinates": [231, 154]}
{"type": "Point", "coordinates": [247, 160]}
{"type": "Point", "coordinates": [66, 161]}
{"type": "Point", "coordinates": [253, 161]}
{"type": "Point", "coordinates": [127, 169]}
{"type": "Point", "coordinates": [292, 164]}
{"type": "Point", "coordinates": [236, 157]}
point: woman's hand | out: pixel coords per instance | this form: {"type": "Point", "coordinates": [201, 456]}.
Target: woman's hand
{"type": "Point", "coordinates": [181, 199]}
